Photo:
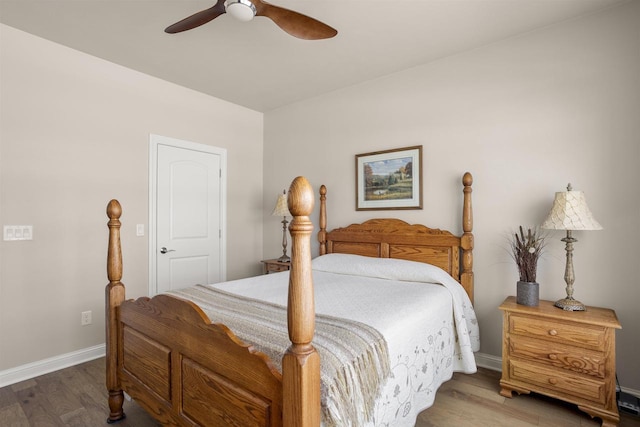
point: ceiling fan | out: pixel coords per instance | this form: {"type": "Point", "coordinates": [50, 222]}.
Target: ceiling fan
{"type": "Point", "coordinates": [294, 23]}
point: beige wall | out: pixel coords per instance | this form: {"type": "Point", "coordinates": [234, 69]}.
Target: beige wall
{"type": "Point", "coordinates": [74, 134]}
{"type": "Point", "coordinates": [525, 116]}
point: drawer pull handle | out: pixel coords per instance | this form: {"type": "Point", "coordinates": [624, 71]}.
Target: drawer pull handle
{"type": "Point", "coordinates": [553, 332]}
{"type": "Point", "coordinates": [553, 356]}
{"type": "Point", "coordinates": [553, 381]}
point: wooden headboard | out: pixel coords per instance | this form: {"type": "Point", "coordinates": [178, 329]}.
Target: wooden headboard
{"type": "Point", "coordinates": [394, 238]}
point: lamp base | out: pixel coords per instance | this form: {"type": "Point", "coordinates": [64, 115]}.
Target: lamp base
{"type": "Point", "coordinates": [284, 258]}
{"type": "Point", "coordinates": [570, 304]}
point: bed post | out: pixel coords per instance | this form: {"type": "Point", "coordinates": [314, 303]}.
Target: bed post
{"type": "Point", "coordinates": [301, 362]}
{"type": "Point", "coordinates": [322, 234]}
{"type": "Point", "coordinates": [115, 295]}
{"type": "Point", "coordinates": [466, 278]}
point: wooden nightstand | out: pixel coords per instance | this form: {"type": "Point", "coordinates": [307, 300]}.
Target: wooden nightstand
{"type": "Point", "coordinates": [273, 265]}
{"type": "Point", "coordinates": [567, 355]}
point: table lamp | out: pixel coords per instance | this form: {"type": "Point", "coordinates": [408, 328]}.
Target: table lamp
{"type": "Point", "coordinates": [570, 212]}
{"type": "Point", "coordinates": [282, 210]}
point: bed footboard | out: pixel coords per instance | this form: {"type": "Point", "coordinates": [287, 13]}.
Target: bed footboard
{"type": "Point", "coordinates": [176, 364]}
{"type": "Point", "coordinates": [186, 371]}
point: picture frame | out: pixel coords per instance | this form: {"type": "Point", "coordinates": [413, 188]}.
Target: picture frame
{"type": "Point", "coordinates": [389, 179]}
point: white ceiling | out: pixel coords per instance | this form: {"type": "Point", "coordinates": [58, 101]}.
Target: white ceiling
{"type": "Point", "coordinates": [259, 66]}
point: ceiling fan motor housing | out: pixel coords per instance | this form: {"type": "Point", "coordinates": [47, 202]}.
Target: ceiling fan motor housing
{"type": "Point", "coordinates": [242, 10]}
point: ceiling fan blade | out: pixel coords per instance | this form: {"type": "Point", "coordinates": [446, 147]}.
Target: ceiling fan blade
{"type": "Point", "coordinates": [197, 19]}
{"type": "Point", "coordinates": [294, 23]}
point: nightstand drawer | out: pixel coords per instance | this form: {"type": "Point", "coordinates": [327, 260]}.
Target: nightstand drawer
{"type": "Point", "coordinates": [556, 355]}
{"type": "Point", "coordinates": [276, 267]}
{"type": "Point", "coordinates": [559, 382]}
{"type": "Point", "coordinates": [587, 336]}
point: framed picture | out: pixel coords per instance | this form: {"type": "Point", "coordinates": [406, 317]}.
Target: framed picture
{"type": "Point", "coordinates": [390, 179]}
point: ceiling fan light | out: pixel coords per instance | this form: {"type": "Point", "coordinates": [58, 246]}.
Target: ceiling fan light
{"type": "Point", "coordinates": [242, 10]}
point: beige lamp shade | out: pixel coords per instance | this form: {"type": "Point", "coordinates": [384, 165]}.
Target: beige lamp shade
{"type": "Point", "coordinates": [281, 208]}
{"type": "Point", "coordinates": [570, 212]}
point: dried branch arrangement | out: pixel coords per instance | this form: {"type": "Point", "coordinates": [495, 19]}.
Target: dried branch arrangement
{"type": "Point", "coordinates": [526, 251]}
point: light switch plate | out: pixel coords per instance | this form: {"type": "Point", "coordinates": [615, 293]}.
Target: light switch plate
{"type": "Point", "coordinates": [18, 232]}
{"type": "Point", "coordinates": [8, 232]}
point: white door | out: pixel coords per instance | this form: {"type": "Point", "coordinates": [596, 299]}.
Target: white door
{"type": "Point", "coordinates": [188, 245]}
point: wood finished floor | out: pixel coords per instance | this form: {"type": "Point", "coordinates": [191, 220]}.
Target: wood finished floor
{"type": "Point", "coordinates": [77, 396]}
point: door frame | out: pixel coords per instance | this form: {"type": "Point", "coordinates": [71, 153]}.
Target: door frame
{"type": "Point", "coordinates": [154, 142]}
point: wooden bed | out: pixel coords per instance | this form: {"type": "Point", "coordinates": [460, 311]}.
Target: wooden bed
{"type": "Point", "coordinates": [184, 370]}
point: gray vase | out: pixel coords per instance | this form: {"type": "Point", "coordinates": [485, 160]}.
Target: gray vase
{"type": "Point", "coordinates": [528, 293]}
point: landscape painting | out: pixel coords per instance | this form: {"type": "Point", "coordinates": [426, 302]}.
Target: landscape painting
{"type": "Point", "coordinates": [389, 179]}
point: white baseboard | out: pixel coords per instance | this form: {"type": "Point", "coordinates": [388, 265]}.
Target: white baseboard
{"type": "Point", "coordinates": [488, 361]}
{"type": "Point", "coordinates": [41, 367]}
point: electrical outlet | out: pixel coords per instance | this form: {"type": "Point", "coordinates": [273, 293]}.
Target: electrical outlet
{"type": "Point", "coordinates": [85, 318]}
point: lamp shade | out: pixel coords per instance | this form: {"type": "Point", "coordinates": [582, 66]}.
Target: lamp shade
{"type": "Point", "coordinates": [570, 212]}
{"type": "Point", "coordinates": [281, 208]}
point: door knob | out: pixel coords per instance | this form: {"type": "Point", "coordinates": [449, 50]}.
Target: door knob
{"type": "Point", "coordinates": [164, 250]}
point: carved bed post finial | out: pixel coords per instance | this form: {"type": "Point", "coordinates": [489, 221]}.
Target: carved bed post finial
{"type": "Point", "coordinates": [322, 234]}
{"type": "Point", "coordinates": [115, 295]}
{"type": "Point", "coordinates": [301, 362]}
{"type": "Point", "coordinates": [466, 278]}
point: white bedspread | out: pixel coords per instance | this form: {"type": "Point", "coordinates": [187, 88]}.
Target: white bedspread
{"type": "Point", "coordinates": [425, 316]}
